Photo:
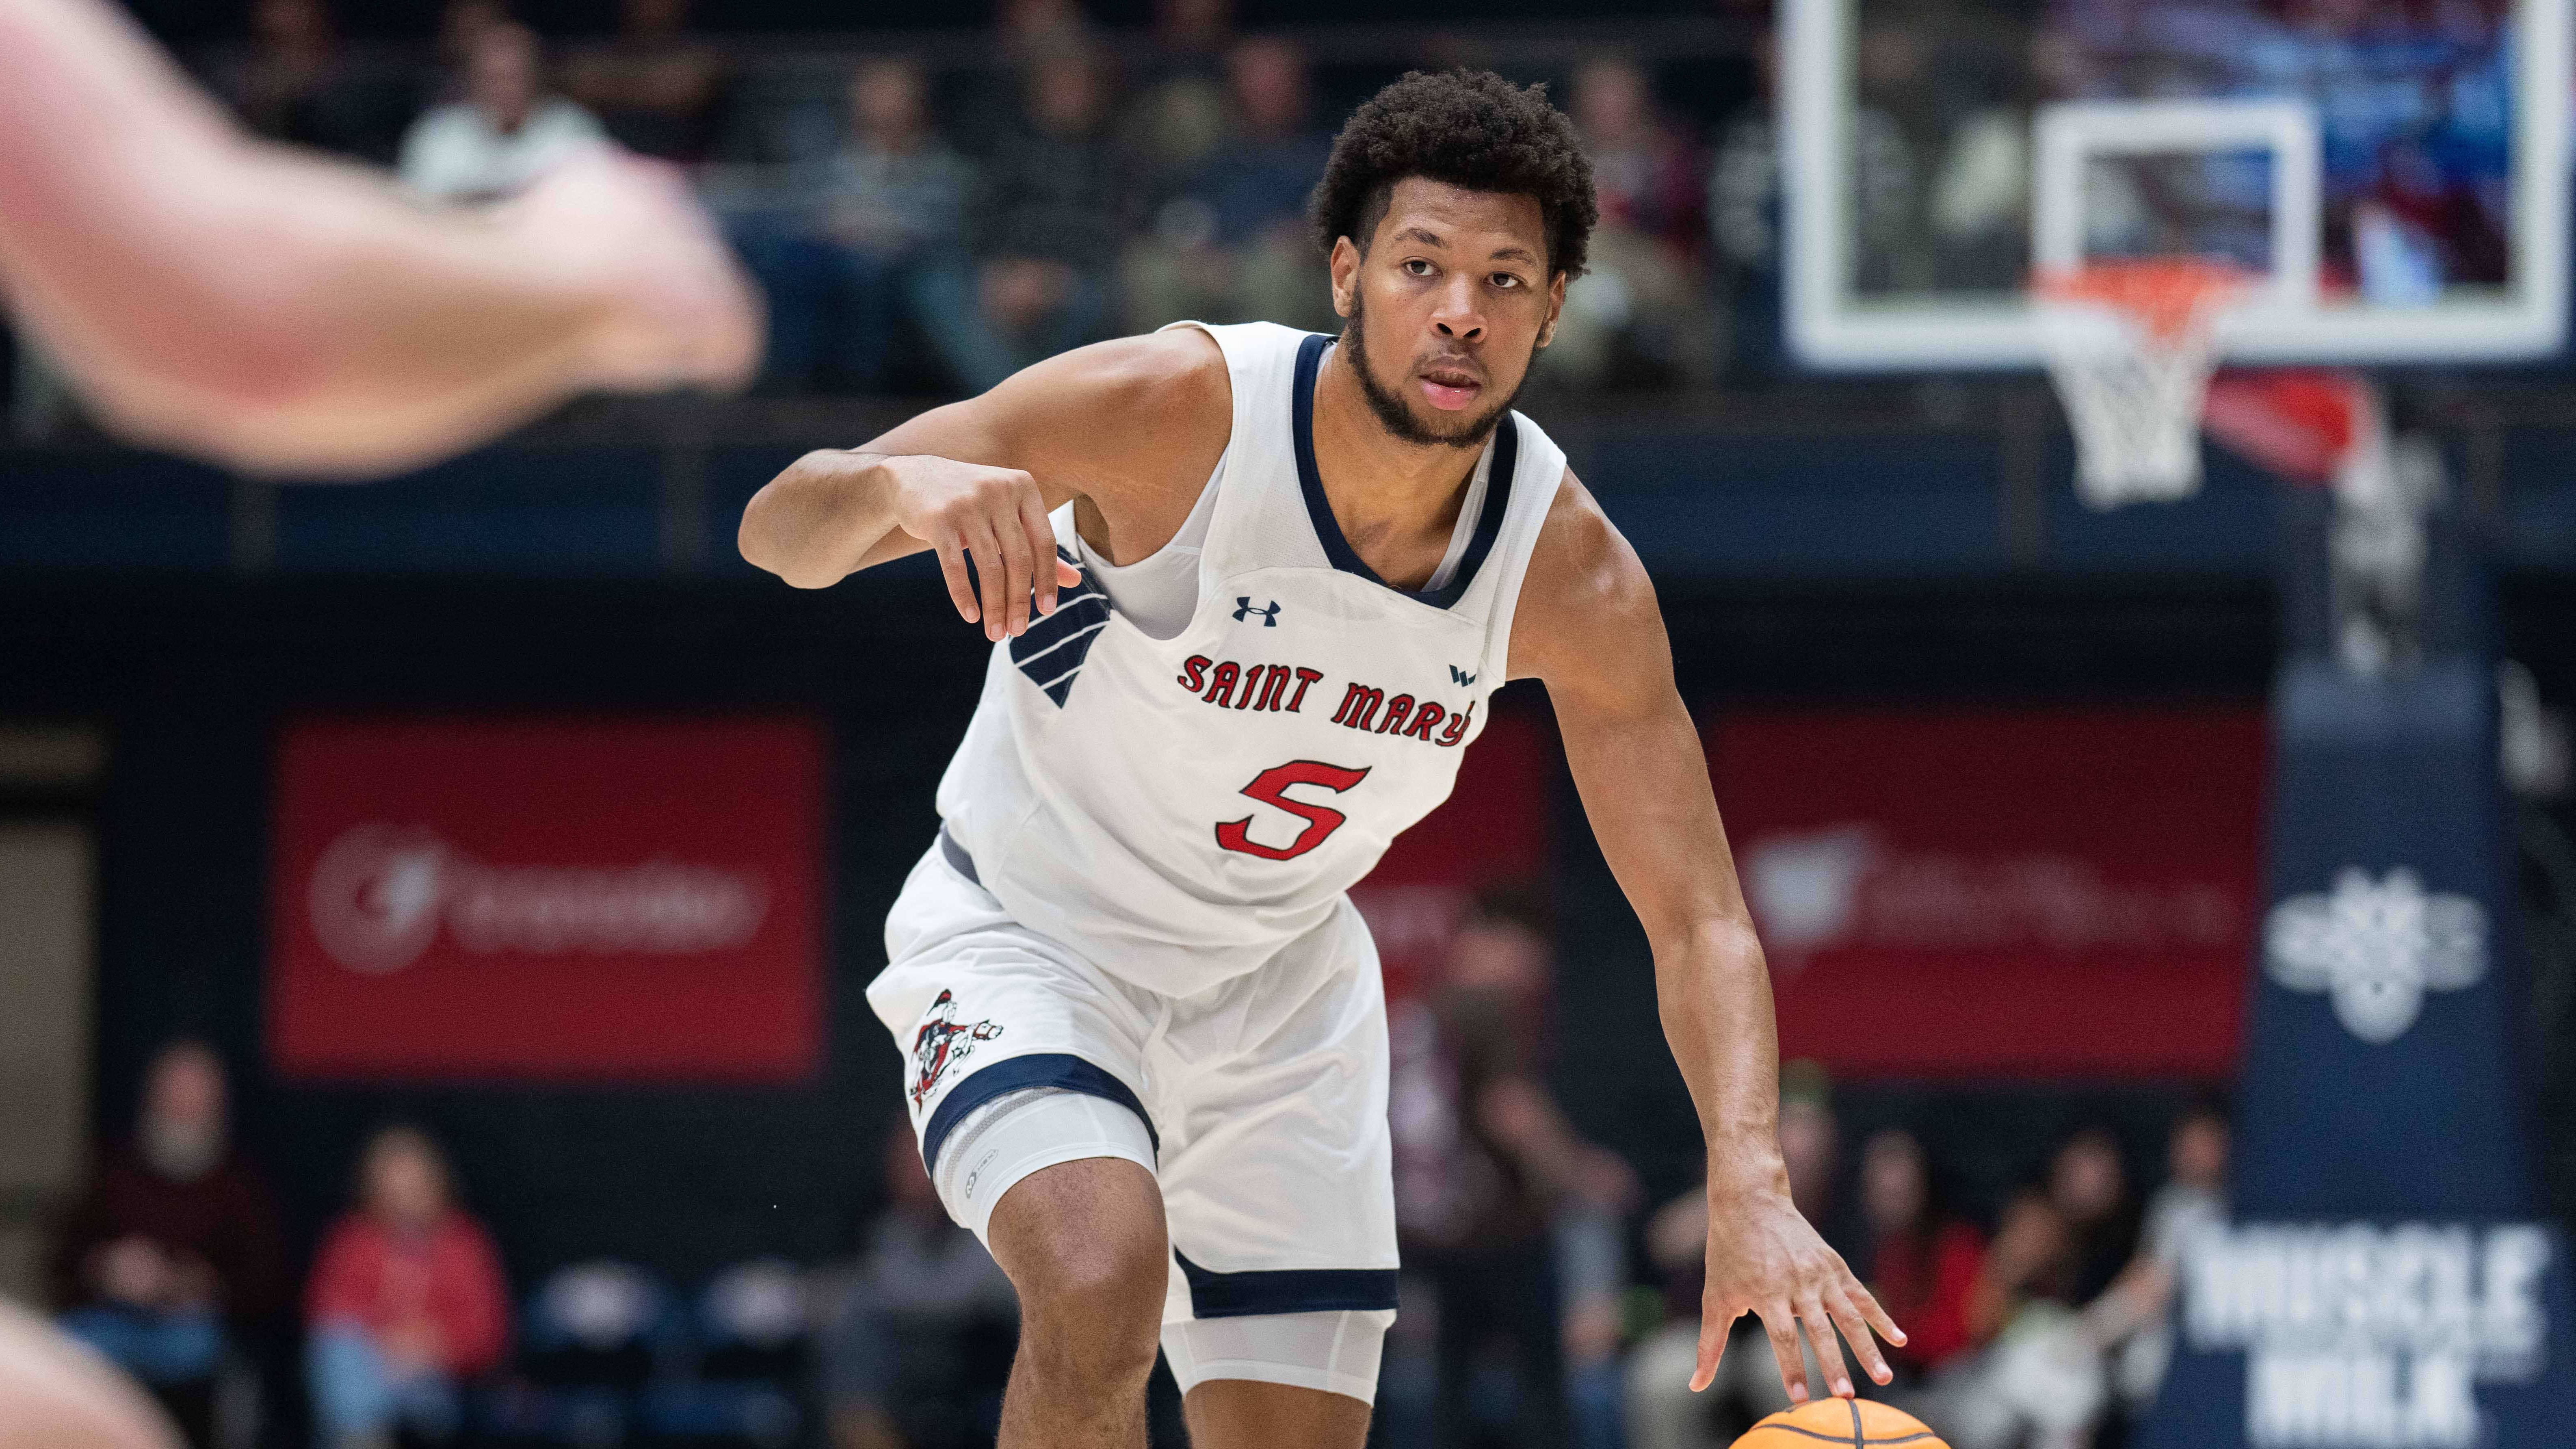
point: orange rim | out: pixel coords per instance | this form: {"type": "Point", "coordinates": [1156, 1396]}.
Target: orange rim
{"type": "Point", "coordinates": [2167, 294]}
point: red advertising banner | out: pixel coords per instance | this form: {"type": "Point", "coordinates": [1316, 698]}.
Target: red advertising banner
{"type": "Point", "coordinates": [574, 898]}
{"type": "Point", "coordinates": [1983, 893]}
{"type": "Point", "coordinates": [1491, 831]}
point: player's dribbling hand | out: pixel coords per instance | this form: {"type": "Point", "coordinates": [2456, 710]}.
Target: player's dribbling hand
{"type": "Point", "coordinates": [998, 516]}
{"type": "Point", "coordinates": [1764, 1259]}
{"type": "Point", "coordinates": [679, 311]}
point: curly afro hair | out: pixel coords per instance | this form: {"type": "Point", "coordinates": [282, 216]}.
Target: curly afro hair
{"type": "Point", "coordinates": [1469, 128]}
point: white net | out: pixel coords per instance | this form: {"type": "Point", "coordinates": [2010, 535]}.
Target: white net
{"type": "Point", "coordinates": [2133, 374]}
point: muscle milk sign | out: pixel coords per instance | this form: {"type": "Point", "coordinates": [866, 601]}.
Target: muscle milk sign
{"type": "Point", "coordinates": [2385, 1283]}
{"type": "Point", "coordinates": [547, 898]}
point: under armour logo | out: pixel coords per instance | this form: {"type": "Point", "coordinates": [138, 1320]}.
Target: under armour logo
{"type": "Point", "coordinates": [2376, 948]}
{"type": "Point", "coordinates": [1243, 608]}
{"type": "Point", "coordinates": [1460, 676]}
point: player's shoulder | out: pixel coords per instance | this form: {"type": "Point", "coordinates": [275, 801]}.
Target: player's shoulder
{"type": "Point", "coordinates": [1584, 582]}
{"type": "Point", "coordinates": [1130, 407]}
{"type": "Point", "coordinates": [1585, 560]}
{"type": "Point", "coordinates": [1179, 370]}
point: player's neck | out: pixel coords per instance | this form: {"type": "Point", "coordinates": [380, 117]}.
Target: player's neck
{"type": "Point", "coordinates": [1380, 483]}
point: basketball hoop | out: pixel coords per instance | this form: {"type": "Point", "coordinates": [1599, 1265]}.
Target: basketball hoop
{"type": "Point", "coordinates": [2130, 348]}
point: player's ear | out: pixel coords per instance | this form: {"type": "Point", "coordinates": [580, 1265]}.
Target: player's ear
{"type": "Point", "coordinates": [1555, 308]}
{"type": "Point", "coordinates": [1346, 276]}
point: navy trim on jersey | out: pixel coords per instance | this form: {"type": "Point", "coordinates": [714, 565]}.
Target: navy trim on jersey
{"type": "Point", "coordinates": [956, 856]}
{"type": "Point", "coordinates": [1286, 1290]}
{"type": "Point", "coordinates": [1016, 1074]}
{"type": "Point", "coordinates": [1050, 652]}
{"type": "Point", "coordinates": [1328, 529]}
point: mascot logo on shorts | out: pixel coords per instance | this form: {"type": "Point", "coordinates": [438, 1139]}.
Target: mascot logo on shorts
{"type": "Point", "coordinates": [942, 1043]}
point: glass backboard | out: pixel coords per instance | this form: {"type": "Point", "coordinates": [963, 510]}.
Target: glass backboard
{"type": "Point", "coordinates": [2395, 169]}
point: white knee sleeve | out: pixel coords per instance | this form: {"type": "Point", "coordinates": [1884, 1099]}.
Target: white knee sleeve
{"type": "Point", "coordinates": [1015, 1134]}
{"type": "Point", "coordinates": [1335, 1351]}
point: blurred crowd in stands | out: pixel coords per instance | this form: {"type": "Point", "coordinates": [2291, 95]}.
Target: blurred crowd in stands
{"type": "Point", "coordinates": [929, 228]}
{"type": "Point", "coordinates": [1546, 1303]}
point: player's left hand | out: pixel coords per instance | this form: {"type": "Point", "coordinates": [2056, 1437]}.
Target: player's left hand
{"type": "Point", "coordinates": [1764, 1259]}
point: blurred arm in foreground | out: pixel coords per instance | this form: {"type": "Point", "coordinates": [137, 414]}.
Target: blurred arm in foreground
{"type": "Point", "coordinates": [55, 1394]}
{"type": "Point", "coordinates": [277, 312]}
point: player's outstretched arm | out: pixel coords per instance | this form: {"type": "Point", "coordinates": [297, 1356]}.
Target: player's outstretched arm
{"type": "Point", "coordinates": [280, 312]}
{"type": "Point", "coordinates": [1587, 626]}
{"type": "Point", "coordinates": [1132, 427]}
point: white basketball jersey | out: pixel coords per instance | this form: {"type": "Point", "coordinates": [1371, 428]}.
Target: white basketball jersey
{"type": "Point", "coordinates": [1177, 810]}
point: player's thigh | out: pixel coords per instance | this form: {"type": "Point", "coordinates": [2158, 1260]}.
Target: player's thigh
{"type": "Point", "coordinates": [1278, 1182]}
{"type": "Point", "coordinates": [1277, 1164]}
{"type": "Point", "coordinates": [1248, 1414]}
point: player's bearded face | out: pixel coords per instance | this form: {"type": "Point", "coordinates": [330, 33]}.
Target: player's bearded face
{"type": "Point", "coordinates": [1447, 352]}
{"type": "Point", "coordinates": [1410, 419]}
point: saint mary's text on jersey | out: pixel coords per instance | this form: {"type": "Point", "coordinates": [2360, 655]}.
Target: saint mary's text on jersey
{"type": "Point", "coordinates": [1281, 689]}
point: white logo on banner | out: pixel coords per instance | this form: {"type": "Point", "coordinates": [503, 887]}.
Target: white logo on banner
{"type": "Point", "coordinates": [2375, 949]}
{"type": "Point", "coordinates": [1847, 885]}
{"type": "Point", "coordinates": [380, 893]}
{"type": "Point", "coordinates": [2358, 1336]}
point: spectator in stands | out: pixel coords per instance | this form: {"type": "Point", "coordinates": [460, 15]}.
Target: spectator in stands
{"type": "Point", "coordinates": [918, 1345]}
{"type": "Point", "coordinates": [2131, 1318]}
{"type": "Point", "coordinates": [504, 134]}
{"type": "Point", "coordinates": [986, 112]}
{"type": "Point", "coordinates": [2089, 1185]}
{"type": "Point", "coordinates": [462, 24]}
{"type": "Point", "coordinates": [2037, 1384]}
{"type": "Point", "coordinates": [1192, 34]}
{"type": "Point", "coordinates": [2031, 1260]}
{"type": "Point", "coordinates": [1031, 30]}
{"type": "Point", "coordinates": [1662, 1411]}
{"type": "Point", "coordinates": [170, 1263]}
{"type": "Point", "coordinates": [1179, 116]}
{"type": "Point", "coordinates": [298, 85]}
{"type": "Point", "coordinates": [886, 243]}
{"type": "Point", "coordinates": [1919, 1261]}
{"type": "Point", "coordinates": [654, 86]}
{"type": "Point", "coordinates": [1231, 245]}
{"type": "Point", "coordinates": [1485, 1165]}
{"type": "Point", "coordinates": [1051, 218]}
{"type": "Point", "coordinates": [407, 1302]}
{"type": "Point", "coordinates": [1639, 313]}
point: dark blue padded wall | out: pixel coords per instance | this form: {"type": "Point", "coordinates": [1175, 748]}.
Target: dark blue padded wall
{"type": "Point", "coordinates": [2388, 1278]}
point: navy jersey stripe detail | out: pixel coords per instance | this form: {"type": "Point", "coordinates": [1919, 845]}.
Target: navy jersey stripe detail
{"type": "Point", "coordinates": [1328, 529]}
{"type": "Point", "coordinates": [1062, 1070]}
{"type": "Point", "coordinates": [1032, 662]}
{"type": "Point", "coordinates": [1286, 1290]}
{"type": "Point", "coordinates": [1051, 650]}
{"type": "Point", "coordinates": [1072, 664]}
{"type": "Point", "coordinates": [1071, 611]}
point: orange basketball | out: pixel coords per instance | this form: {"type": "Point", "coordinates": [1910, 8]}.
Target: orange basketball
{"type": "Point", "coordinates": [1825, 1423]}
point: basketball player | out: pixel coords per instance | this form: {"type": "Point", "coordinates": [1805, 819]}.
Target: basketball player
{"type": "Point", "coordinates": [276, 311]}
{"type": "Point", "coordinates": [1251, 591]}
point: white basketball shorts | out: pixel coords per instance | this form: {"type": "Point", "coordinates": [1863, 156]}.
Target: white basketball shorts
{"type": "Point", "coordinates": [1263, 1104]}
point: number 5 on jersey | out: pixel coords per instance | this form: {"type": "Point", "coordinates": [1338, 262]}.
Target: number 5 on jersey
{"type": "Point", "coordinates": [1270, 787]}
